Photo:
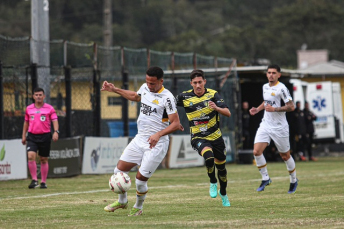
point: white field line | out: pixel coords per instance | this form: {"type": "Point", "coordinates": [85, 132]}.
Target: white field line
{"type": "Point", "coordinates": [157, 187]}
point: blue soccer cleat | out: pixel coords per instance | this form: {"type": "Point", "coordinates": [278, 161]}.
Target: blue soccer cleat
{"type": "Point", "coordinates": [213, 190]}
{"type": "Point", "coordinates": [263, 184]}
{"type": "Point", "coordinates": [225, 201]}
{"type": "Point", "coordinates": [293, 186]}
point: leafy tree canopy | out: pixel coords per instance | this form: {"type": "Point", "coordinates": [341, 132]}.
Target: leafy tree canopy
{"type": "Point", "coordinates": [244, 29]}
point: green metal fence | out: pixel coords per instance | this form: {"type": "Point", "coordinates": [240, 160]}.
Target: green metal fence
{"type": "Point", "coordinates": [109, 63]}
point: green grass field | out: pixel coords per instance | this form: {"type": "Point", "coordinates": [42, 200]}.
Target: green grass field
{"type": "Point", "coordinates": [179, 198]}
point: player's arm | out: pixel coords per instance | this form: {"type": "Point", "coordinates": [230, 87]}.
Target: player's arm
{"type": "Point", "coordinates": [218, 104]}
{"type": "Point", "coordinates": [288, 107]}
{"type": "Point", "coordinates": [56, 128]}
{"type": "Point", "coordinates": [25, 128]}
{"type": "Point", "coordinates": [130, 95]}
{"type": "Point", "coordinates": [222, 110]}
{"type": "Point", "coordinates": [255, 110]}
{"type": "Point", "coordinates": [174, 126]}
{"type": "Point", "coordinates": [179, 100]}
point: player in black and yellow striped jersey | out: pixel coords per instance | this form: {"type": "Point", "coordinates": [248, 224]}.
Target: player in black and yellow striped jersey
{"type": "Point", "coordinates": [203, 106]}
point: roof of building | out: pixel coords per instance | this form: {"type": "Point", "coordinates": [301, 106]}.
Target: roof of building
{"type": "Point", "coordinates": [331, 68]}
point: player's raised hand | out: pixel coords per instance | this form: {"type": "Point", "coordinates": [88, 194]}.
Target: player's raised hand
{"type": "Point", "coordinates": [253, 111]}
{"type": "Point", "coordinates": [108, 87]}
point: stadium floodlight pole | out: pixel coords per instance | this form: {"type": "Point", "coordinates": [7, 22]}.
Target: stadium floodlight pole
{"type": "Point", "coordinates": [40, 44]}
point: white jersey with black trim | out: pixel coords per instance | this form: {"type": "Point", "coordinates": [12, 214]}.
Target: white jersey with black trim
{"type": "Point", "coordinates": [154, 111]}
{"type": "Point", "coordinates": [273, 96]}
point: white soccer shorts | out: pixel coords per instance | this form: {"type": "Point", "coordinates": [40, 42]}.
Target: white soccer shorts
{"type": "Point", "coordinates": [280, 137]}
{"type": "Point", "coordinates": [138, 152]}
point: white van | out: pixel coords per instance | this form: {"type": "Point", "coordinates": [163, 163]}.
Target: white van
{"type": "Point", "coordinates": [325, 102]}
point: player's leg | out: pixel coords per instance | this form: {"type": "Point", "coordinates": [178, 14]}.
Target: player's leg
{"type": "Point", "coordinates": [141, 192]}
{"type": "Point", "coordinates": [208, 155]}
{"type": "Point", "coordinates": [222, 175]}
{"type": "Point", "coordinates": [44, 153]}
{"type": "Point", "coordinates": [219, 149]}
{"type": "Point", "coordinates": [290, 163]}
{"type": "Point", "coordinates": [282, 143]}
{"type": "Point", "coordinates": [150, 162]}
{"type": "Point", "coordinates": [261, 141]}
{"type": "Point", "coordinates": [31, 156]}
{"type": "Point", "coordinates": [131, 156]}
{"type": "Point", "coordinates": [204, 149]}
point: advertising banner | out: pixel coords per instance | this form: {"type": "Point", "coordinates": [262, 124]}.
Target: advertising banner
{"type": "Point", "coordinates": [230, 151]}
{"type": "Point", "coordinates": [181, 153]}
{"type": "Point", "coordinates": [65, 158]}
{"type": "Point", "coordinates": [102, 154]}
{"type": "Point", "coordinates": [13, 160]}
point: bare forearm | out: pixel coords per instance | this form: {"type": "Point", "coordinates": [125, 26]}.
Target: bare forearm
{"type": "Point", "coordinates": [55, 125]}
{"type": "Point", "coordinates": [287, 108]}
{"type": "Point", "coordinates": [261, 107]}
{"type": "Point", "coordinates": [25, 128]}
{"type": "Point", "coordinates": [130, 95]}
{"type": "Point", "coordinates": [174, 126]}
{"type": "Point", "coordinates": [224, 111]}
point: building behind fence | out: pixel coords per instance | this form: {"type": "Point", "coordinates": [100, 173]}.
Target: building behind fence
{"type": "Point", "coordinates": [76, 73]}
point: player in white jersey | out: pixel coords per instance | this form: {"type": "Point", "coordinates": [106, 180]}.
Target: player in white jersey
{"type": "Point", "coordinates": [158, 118]}
{"type": "Point", "coordinates": [274, 126]}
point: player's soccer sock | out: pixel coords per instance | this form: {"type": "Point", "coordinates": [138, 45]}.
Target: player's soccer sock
{"type": "Point", "coordinates": [222, 175]}
{"type": "Point", "coordinates": [210, 165]}
{"type": "Point", "coordinates": [141, 191]}
{"type": "Point", "coordinates": [291, 168]}
{"type": "Point", "coordinates": [123, 198]}
{"type": "Point", "coordinates": [44, 172]}
{"type": "Point", "coordinates": [261, 165]}
{"type": "Point", "coordinates": [33, 169]}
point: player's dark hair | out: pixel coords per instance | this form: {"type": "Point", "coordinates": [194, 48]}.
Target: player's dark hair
{"type": "Point", "coordinates": [38, 89]}
{"type": "Point", "coordinates": [197, 73]}
{"type": "Point", "coordinates": [274, 66]}
{"type": "Point", "coordinates": [155, 72]}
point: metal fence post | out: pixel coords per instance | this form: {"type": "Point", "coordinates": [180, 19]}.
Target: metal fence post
{"type": "Point", "coordinates": [125, 108]}
{"type": "Point", "coordinates": [34, 76]}
{"type": "Point", "coordinates": [97, 112]}
{"type": "Point", "coordinates": [1, 104]}
{"type": "Point", "coordinates": [68, 101]}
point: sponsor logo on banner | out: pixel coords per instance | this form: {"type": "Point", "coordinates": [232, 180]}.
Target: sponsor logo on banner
{"type": "Point", "coordinates": [65, 157]}
{"type": "Point", "coordinates": [12, 155]}
{"type": "Point", "coordinates": [4, 168]}
{"type": "Point", "coordinates": [102, 154]}
{"type": "Point", "coordinates": [182, 154]}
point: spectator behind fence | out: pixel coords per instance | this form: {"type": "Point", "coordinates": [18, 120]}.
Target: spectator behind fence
{"type": "Point", "coordinates": [246, 140]}
{"type": "Point", "coordinates": [309, 118]}
{"type": "Point", "coordinates": [300, 131]}
{"type": "Point", "coordinates": [37, 125]}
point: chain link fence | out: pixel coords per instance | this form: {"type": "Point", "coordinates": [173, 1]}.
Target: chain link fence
{"type": "Point", "coordinates": [74, 79]}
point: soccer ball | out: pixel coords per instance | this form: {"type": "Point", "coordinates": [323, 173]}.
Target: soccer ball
{"type": "Point", "coordinates": [120, 183]}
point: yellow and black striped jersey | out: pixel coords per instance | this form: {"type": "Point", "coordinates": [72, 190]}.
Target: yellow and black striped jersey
{"type": "Point", "coordinates": [203, 121]}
